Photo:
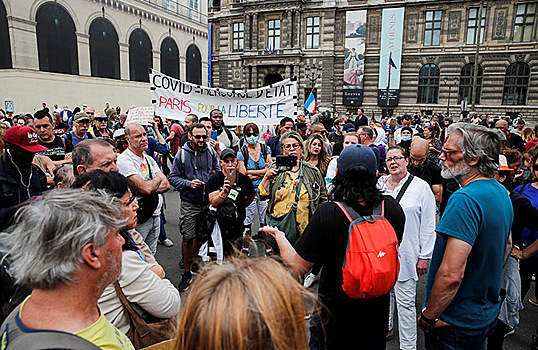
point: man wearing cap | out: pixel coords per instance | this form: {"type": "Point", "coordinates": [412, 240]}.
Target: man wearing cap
{"type": "Point", "coordinates": [339, 146]}
{"type": "Point", "coordinates": [100, 123]}
{"type": "Point", "coordinates": [58, 149]}
{"type": "Point", "coordinates": [193, 166]}
{"type": "Point", "coordinates": [19, 178]}
{"type": "Point", "coordinates": [80, 129]}
{"type": "Point", "coordinates": [230, 192]}
{"type": "Point", "coordinates": [111, 114]}
{"type": "Point", "coordinates": [344, 322]}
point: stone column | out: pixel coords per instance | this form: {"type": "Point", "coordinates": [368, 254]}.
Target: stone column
{"type": "Point", "coordinates": [288, 72]}
{"type": "Point", "coordinates": [124, 61]}
{"type": "Point", "coordinates": [83, 47]}
{"type": "Point", "coordinates": [255, 31]}
{"type": "Point", "coordinates": [23, 41]}
{"type": "Point", "coordinates": [156, 55]}
{"type": "Point", "coordinates": [297, 28]}
{"type": "Point", "coordinates": [246, 20]}
{"type": "Point", "coordinates": [289, 34]}
{"type": "Point", "coordinates": [244, 71]}
{"type": "Point", "coordinates": [254, 77]}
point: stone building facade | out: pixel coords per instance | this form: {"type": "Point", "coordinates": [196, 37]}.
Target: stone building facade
{"type": "Point", "coordinates": [97, 51]}
{"type": "Point", "coordinates": [244, 54]}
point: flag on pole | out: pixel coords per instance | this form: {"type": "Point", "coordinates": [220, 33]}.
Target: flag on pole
{"type": "Point", "coordinates": [391, 62]}
{"type": "Point", "coordinates": [311, 104]}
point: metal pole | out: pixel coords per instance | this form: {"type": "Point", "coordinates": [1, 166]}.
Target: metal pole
{"type": "Point", "coordinates": [476, 55]}
{"type": "Point", "coordinates": [388, 89]}
{"type": "Point", "coordinates": [448, 104]}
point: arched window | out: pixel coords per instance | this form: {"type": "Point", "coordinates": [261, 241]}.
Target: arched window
{"type": "Point", "coordinates": [516, 84]}
{"type": "Point", "coordinates": [140, 56]}
{"type": "Point", "coordinates": [104, 49]}
{"type": "Point", "coordinates": [466, 83]}
{"type": "Point", "coordinates": [170, 58]}
{"type": "Point", "coordinates": [56, 40]}
{"type": "Point", "coordinates": [194, 65]}
{"type": "Point", "coordinates": [5, 46]}
{"type": "Point", "coordinates": [428, 84]}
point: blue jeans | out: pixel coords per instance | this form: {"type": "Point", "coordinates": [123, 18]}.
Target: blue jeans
{"type": "Point", "coordinates": [150, 232]}
{"type": "Point", "coordinates": [456, 338]}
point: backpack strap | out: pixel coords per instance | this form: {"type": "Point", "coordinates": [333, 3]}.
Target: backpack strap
{"type": "Point", "coordinates": [229, 134]}
{"type": "Point", "coordinates": [404, 187]}
{"type": "Point", "coordinates": [244, 151]}
{"type": "Point", "coordinates": [352, 215]}
{"type": "Point", "coordinates": [264, 151]}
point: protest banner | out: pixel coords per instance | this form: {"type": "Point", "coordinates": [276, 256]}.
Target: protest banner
{"type": "Point", "coordinates": [140, 115]}
{"type": "Point", "coordinates": [175, 99]}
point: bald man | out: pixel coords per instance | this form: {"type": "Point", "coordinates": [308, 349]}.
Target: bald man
{"type": "Point", "coordinates": [513, 141]}
{"type": "Point", "coordinates": [424, 168]}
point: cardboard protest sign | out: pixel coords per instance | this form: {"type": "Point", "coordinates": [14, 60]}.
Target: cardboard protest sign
{"type": "Point", "coordinates": [140, 115]}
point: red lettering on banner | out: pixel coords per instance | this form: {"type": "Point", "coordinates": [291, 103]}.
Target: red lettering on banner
{"type": "Point", "coordinates": [174, 103]}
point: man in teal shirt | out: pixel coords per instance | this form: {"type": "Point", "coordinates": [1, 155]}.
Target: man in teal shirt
{"type": "Point", "coordinates": [464, 279]}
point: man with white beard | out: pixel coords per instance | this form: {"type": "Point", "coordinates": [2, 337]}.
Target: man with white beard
{"type": "Point", "coordinates": [464, 280]}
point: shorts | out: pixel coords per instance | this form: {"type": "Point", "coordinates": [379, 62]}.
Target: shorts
{"type": "Point", "coordinates": [189, 218]}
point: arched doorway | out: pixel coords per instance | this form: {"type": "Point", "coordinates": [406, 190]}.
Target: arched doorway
{"type": "Point", "coordinates": [170, 58]}
{"type": "Point", "coordinates": [140, 56]}
{"type": "Point", "coordinates": [272, 78]}
{"type": "Point", "coordinates": [194, 65]}
{"type": "Point", "coordinates": [56, 40]}
{"type": "Point", "coordinates": [104, 49]}
{"type": "Point", "coordinates": [5, 46]}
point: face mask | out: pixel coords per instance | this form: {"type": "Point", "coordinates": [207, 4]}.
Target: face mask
{"type": "Point", "coordinates": [490, 120]}
{"type": "Point", "coordinates": [252, 140]}
{"type": "Point", "coordinates": [426, 125]}
{"type": "Point", "coordinates": [406, 138]}
{"type": "Point", "coordinates": [65, 109]}
{"type": "Point", "coordinates": [416, 169]}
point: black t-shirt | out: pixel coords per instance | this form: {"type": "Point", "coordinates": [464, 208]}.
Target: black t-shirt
{"type": "Point", "coordinates": [515, 141]}
{"type": "Point", "coordinates": [183, 138]}
{"type": "Point", "coordinates": [60, 128]}
{"type": "Point", "coordinates": [334, 137]}
{"type": "Point", "coordinates": [337, 148]}
{"type": "Point", "coordinates": [525, 215]}
{"type": "Point", "coordinates": [243, 186]}
{"type": "Point", "coordinates": [56, 150]}
{"type": "Point", "coordinates": [324, 242]}
{"type": "Point", "coordinates": [431, 173]}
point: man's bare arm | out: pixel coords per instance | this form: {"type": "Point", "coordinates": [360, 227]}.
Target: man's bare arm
{"type": "Point", "coordinates": [144, 187]}
{"type": "Point", "coordinates": [438, 193]}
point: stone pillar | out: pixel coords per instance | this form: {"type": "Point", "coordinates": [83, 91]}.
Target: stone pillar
{"type": "Point", "coordinates": [246, 20]}
{"type": "Point", "coordinates": [124, 61]}
{"type": "Point", "coordinates": [156, 54]}
{"type": "Point", "coordinates": [288, 72]}
{"type": "Point", "coordinates": [23, 41]}
{"type": "Point", "coordinates": [289, 24]}
{"type": "Point", "coordinates": [297, 28]}
{"type": "Point", "coordinates": [254, 77]}
{"type": "Point", "coordinates": [83, 47]}
{"type": "Point", "coordinates": [182, 68]}
{"type": "Point", "coordinates": [244, 71]}
{"type": "Point", "coordinates": [255, 31]}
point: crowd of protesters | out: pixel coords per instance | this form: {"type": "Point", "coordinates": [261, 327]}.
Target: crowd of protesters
{"type": "Point", "coordinates": [82, 213]}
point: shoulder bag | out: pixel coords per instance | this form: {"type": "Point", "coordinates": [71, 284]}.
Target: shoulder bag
{"type": "Point", "coordinates": [143, 333]}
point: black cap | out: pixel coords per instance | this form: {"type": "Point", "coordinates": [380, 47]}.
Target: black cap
{"type": "Point", "coordinates": [227, 152]}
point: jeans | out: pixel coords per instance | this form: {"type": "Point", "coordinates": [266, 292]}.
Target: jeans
{"type": "Point", "coordinates": [150, 230]}
{"type": "Point", "coordinates": [404, 293]}
{"type": "Point", "coordinates": [456, 338]}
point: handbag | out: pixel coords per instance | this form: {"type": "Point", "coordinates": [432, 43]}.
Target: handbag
{"type": "Point", "coordinates": [286, 223]}
{"type": "Point", "coordinates": [143, 333]}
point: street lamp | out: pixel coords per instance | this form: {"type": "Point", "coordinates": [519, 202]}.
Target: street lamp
{"type": "Point", "coordinates": [312, 73]}
{"type": "Point", "coordinates": [450, 85]}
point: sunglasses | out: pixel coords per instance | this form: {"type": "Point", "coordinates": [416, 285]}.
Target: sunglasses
{"type": "Point", "coordinates": [250, 134]}
{"type": "Point", "coordinates": [198, 137]}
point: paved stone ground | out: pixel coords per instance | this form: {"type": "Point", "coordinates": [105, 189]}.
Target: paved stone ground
{"type": "Point", "coordinates": [169, 259]}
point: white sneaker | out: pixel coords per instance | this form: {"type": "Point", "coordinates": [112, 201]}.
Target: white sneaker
{"type": "Point", "coordinates": [168, 243]}
{"type": "Point", "coordinates": [309, 280]}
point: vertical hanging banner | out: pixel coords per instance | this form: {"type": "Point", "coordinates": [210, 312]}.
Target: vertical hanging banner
{"type": "Point", "coordinates": [390, 58]}
{"type": "Point", "coordinates": [209, 58]}
{"type": "Point", "coordinates": [354, 57]}
{"type": "Point", "coordinates": [175, 99]}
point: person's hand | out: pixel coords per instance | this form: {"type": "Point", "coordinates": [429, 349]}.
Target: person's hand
{"type": "Point", "coordinates": [214, 144]}
{"type": "Point", "coordinates": [422, 266]}
{"type": "Point", "coordinates": [196, 183]}
{"type": "Point", "coordinates": [272, 231]}
{"type": "Point", "coordinates": [153, 124]}
{"type": "Point", "coordinates": [226, 187]}
{"type": "Point", "coordinates": [158, 270]}
{"type": "Point", "coordinates": [271, 174]}
{"type": "Point", "coordinates": [517, 253]}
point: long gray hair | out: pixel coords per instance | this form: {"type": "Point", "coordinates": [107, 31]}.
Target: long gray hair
{"type": "Point", "coordinates": [479, 142]}
{"type": "Point", "coordinates": [46, 239]}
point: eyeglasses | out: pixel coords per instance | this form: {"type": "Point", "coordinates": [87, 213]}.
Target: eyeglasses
{"type": "Point", "coordinates": [290, 147]}
{"type": "Point", "coordinates": [251, 134]}
{"type": "Point", "coordinates": [394, 159]}
{"type": "Point", "coordinates": [83, 122]}
{"type": "Point", "coordinates": [322, 132]}
{"type": "Point", "coordinates": [420, 160]}
{"type": "Point", "coordinates": [448, 152]}
{"type": "Point", "coordinates": [198, 137]}
{"type": "Point", "coordinates": [101, 120]}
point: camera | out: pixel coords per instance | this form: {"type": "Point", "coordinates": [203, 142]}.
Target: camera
{"type": "Point", "coordinates": [284, 163]}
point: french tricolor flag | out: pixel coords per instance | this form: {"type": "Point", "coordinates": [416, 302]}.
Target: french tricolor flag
{"type": "Point", "coordinates": [311, 104]}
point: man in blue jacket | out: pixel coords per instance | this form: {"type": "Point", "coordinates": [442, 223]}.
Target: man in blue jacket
{"type": "Point", "coordinates": [193, 166]}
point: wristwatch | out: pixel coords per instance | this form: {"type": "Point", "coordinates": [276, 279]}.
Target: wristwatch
{"type": "Point", "coordinates": [427, 322]}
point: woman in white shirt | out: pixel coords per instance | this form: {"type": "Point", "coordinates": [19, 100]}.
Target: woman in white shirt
{"type": "Point", "coordinates": [418, 203]}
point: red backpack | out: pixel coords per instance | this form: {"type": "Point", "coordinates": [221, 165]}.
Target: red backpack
{"type": "Point", "coordinates": [371, 264]}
